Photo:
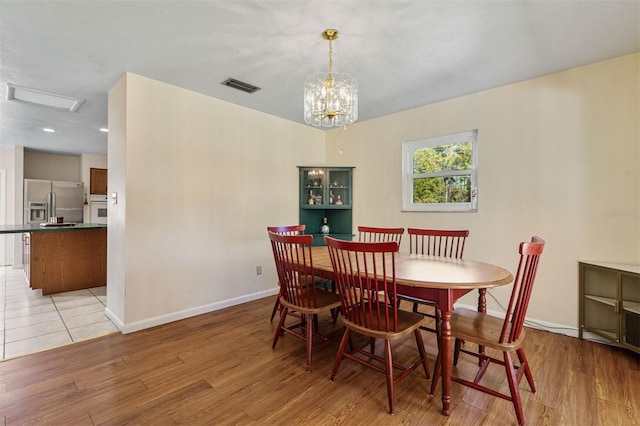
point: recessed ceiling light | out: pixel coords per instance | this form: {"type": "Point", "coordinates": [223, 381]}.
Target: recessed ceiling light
{"type": "Point", "coordinates": [42, 98]}
{"type": "Point", "coordinates": [48, 130]}
{"type": "Point", "coordinates": [104, 129]}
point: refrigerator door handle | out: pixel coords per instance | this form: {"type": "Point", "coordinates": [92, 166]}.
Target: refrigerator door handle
{"type": "Point", "coordinates": [52, 205]}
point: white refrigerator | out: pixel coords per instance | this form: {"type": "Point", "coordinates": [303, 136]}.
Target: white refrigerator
{"type": "Point", "coordinates": [46, 198]}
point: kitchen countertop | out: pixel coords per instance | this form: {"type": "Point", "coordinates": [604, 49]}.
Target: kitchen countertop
{"type": "Point", "coordinates": [17, 229]}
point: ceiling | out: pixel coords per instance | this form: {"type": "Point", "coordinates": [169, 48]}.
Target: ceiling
{"type": "Point", "coordinates": [404, 54]}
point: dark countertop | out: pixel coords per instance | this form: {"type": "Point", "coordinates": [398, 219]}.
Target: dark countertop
{"type": "Point", "coordinates": [17, 229]}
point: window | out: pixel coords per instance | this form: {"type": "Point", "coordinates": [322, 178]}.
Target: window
{"type": "Point", "coordinates": [439, 173]}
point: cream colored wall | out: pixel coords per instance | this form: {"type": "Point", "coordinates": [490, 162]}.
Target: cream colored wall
{"type": "Point", "coordinates": [559, 157]}
{"type": "Point", "coordinates": [116, 254]}
{"type": "Point", "coordinates": [198, 180]}
{"type": "Point", "coordinates": [39, 165]}
{"type": "Point", "coordinates": [7, 163]}
{"type": "Point", "coordinates": [87, 162]}
{"type": "Point", "coordinates": [12, 160]}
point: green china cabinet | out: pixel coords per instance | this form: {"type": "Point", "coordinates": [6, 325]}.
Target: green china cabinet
{"type": "Point", "coordinates": [326, 192]}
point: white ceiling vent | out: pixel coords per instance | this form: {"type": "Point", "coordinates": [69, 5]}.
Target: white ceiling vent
{"type": "Point", "coordinates": [39, 97]}
{"type": "Point", "coordinates": [240, 85]}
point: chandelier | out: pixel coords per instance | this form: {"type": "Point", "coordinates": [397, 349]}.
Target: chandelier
{"type": "Point", "coordinates": [330, 99]}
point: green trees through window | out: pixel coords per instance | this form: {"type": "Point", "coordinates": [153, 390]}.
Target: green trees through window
{"type": "Point", "coordinates": [446, 188]}
{"type": "Point", "coordinates": [439, 173]}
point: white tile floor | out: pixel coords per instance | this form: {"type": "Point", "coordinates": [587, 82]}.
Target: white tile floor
{"type": "Point", "coordinates": [31, 322]}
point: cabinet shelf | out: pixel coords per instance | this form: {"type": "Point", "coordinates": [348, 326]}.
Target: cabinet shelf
{"type": "Point", "coordinates": [610, 334]}
{"type": "Point", "coordinates": [323, 206]}
{"type": "Point", "coordinates": [326, 187]}
{"type": "Point", "coordinates": [629, 306]}
{"type": "Point", "coordinates": [606, 300]}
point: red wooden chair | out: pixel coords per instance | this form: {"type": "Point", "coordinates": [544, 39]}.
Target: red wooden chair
{"type": "Point", "coordinates": [435, 242]}
{"type": "Point", "coordinates": [284, 230]}
{"type": "Point", "coordinates": [369, 234]}
{"type": "Point", "coordinates": [505, 335]}
{"type": "Point", "coordinates": [365, 274]}
{"type": "Point", "coordinates": [292, 254]}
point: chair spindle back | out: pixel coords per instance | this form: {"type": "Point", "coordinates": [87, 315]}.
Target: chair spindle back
{"type": "Point", "coordinates": [287, 230]}
{"type": "Point", "coordinates": [366, 281]}
{"type": "Point", "coordinates": [522, 287]}
{"type": "Point", "coordinates": [369, 234]}
{"type": "Point", "coordinates": [292, 255]}
{"type": "Point", "coordinates": [437, 242]}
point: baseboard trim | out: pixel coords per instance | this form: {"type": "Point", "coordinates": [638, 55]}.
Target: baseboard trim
{"type": "Point", "coordinates": [533, 323]}
{"type": "Point", "coordinates": [199, 310]}
{"type": "Point", "coordinates": [126, 328]}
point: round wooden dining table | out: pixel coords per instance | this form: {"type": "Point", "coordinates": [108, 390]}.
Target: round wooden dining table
{"type": "Point", "coordinates": [439, 280]}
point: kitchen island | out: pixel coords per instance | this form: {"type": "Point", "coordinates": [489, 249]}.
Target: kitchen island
{"type": "Point", "coordinates": [63, 258]}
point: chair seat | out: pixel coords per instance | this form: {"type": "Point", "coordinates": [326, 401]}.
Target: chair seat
{"type": "Point", "coordinates": [407, 323]}
{"type": "Point", "coordinates": [326, 300]}
{"type": "Point", "coordinates": [482, 329]}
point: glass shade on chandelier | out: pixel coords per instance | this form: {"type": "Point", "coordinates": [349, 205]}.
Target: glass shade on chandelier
{"type": "Point", "coordinates": [330, 99]}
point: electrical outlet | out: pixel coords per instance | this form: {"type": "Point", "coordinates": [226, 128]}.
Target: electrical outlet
{"type": "Point", "coordinates": [258, 270]}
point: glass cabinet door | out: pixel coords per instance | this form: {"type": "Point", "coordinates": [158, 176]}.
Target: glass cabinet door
{"type": "Point", "coordinates": [630, 295]}
{"type": "Point", "coordinates": [339, 187]}
{"type": "Point", "coordinates": [600, 300]}
{"type": "Point", "coordinates": [313, 185]}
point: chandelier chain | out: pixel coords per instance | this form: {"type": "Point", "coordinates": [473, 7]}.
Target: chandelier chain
{"type": "Point", "coordinates": [330, 55]}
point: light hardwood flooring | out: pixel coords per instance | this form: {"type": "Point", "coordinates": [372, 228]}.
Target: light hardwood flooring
{"type": "Point", "coordinates": [219, 368]}
{"type": "Point", "coordinates": [31, 322]}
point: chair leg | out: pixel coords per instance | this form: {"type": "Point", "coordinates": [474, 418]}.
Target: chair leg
{"type": "Point", "coordinates": [335, 313]}
{"type": "Point", "coordinates": [275, 307]}
{"type": "Point", "coordinates": [310, 320]}
{"type": "Point", "coordinates": [389, 370]}
{"type": "Point", "coordinates": [283, 316]}
{"type": "Point", "coordinates": [527, 371]}
{"type": "Point", "coordinates": [513, 387]}
{"type": "Point", "coordinates": [456, 351]}
{"type": "Point", "coordinates": [437, 372]}
{"type": "Point", "coordinates": [346, 338]}
{"type": "Point", "coordinates": [423, 353]}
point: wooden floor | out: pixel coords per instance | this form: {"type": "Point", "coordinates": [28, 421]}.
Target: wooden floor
{"type": "Point", "coordinates": [219, 368]}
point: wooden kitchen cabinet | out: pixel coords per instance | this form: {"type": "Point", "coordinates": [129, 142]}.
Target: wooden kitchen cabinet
{"type": "Point", "coordinates": [67, 260]}
{"type": "Point", "coordinates": [98, 181]}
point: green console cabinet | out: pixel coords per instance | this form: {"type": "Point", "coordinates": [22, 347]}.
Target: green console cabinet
{"type": "Point", "coordinates": [610, 302]}
{"type": "Point", "coordinates": [326, 192]}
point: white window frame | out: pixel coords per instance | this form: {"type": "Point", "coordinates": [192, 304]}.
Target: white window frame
{"type": "Point", "coordinates": [408, 150]}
